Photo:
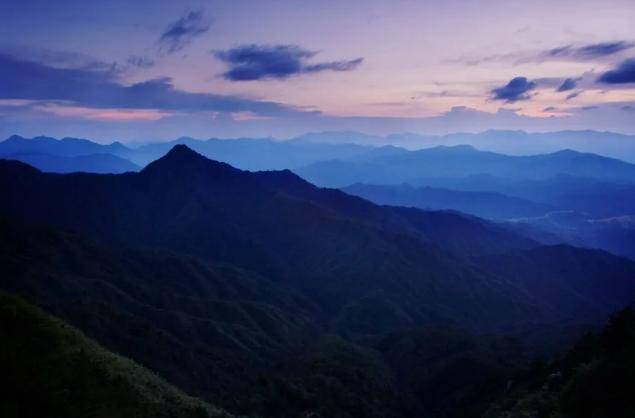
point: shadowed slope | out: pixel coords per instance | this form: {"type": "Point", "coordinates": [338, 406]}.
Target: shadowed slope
{"type": "Point", "coordinates": [51, 369]}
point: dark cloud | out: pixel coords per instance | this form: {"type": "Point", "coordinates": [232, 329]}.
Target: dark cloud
{"type": "Point", "coordinates": [550, 109]}
{"type": "Point", "coordinates": [568, 84]}
{"type": "Point", "coordinates": [517, 89]}
{"type": "Point", "coordinates": [59, 58]}
{"type": "Point", "coordinates": [573, 95]}
{"type": "Point", "coordinates": [334, 66]}
{"type": "Point", "coordinates": [592, 51]}
{"type": "Point", "coordinates": [573, 52]}
{"type": "Point", "coordinates": [586, 108]}
{"type": "Point", "coordinates": [628, 108]}
{"type": "Point", "coordinates": [624, 73]}
{"type": "Point", "coordinates": [258, 62]}
{"type": "Point", "coordinates": [139, 61]}
{"type": "Point", "coordinates": [180, 34]}
{"type": "Point", "coordinates": [100, 89]}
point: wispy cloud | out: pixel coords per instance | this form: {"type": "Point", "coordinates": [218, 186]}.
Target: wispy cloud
{"type": "Point", "coordinates": [180, 34]}
{"type": "Point", "coordinates": [517, 89]}
{"type": "Point", "coordinates": [568, 84]}
{"type": "Point", "coordinates": [589, 52]}
{"type": "Point", "coordinates": [570, 52]}
{"type": "Point", "coordinates": [28, 80]}
{"type": "Point", "coordinates": [139, 61]}
{"type": "Point", "coordinates": [261, 62]}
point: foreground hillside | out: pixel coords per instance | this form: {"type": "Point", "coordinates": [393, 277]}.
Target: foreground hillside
{"type": "Point", "coordinates": [593, 379]}
{"type": "Point", "coordinates": [51, 369]}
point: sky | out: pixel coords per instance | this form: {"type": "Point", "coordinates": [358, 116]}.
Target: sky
{"type": "Point", "coordinates": [139, 71]}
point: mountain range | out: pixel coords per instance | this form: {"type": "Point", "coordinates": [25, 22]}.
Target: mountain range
{"type": "Point", "coordinates": [268, 296]}
{"type": "Point", "coordinates": [295, 153]}
{"type": "Point", "coordinates": [562, 197]}
{"type": "Point", "coordinates": [510, 142]}
{"type": "Point", "coordinates": [490, 205]}
{"type": "Point", "coordinates": [462, 161]}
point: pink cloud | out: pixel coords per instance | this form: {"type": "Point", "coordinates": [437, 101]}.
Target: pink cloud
{"type": "Point", "coordinates": [110, 115]}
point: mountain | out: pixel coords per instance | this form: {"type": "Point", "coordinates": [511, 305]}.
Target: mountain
{"type": "Point", "coordinates": [263, 153]}
{"type": "Point", "coordinates": [268, 296]}
{"type": "Point", "coordinates": [200, 326]}
{"type": "Point", "coordinates": [596, 197]}
{"type": "Point", "coordinates": [367, 152]}
{"type": "Point", "coordinates": [332, 246]}
{"type": "Point", "coordinates": [341, 250]}
{"type": "Point", "coordinates": [509, 142]}
{"type": "Point", "coordinates": [461, 161]}
{"type": "Point", "coordinates": [562, 277]}
{"type": "Point", "coordinates": [587, 212]}
{"type": "Point", "coordinates": [592, 379]}
{"type": "Point", "coordinates": [90, 163]}
{"type": "Point", "coordinates": [610, 144]}
{"type": "Point", "coordinates": [68, 155]}
{"type": "Point", "coordinates": [244, 153]}
{"type": "Point", "coordinates": [512, 142]}
{"type": "Point", "coordinates": [52, 369]}
{"type": "Point", "coordinates": [483, 204]}
{"type": "Point", "coordinates": [340, 137]}
{"type": "Point", "coordinates": [614, 234]}
{"type": "Point", "coordinates": [66, 147]}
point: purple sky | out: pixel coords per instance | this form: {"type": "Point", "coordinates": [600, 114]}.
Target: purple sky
{"type": "Point", "coordinates": [139, 71]}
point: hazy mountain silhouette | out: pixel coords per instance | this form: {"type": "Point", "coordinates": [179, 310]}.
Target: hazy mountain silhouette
{"type": "Point", "coordinates": [461, 161]}
{"type": "Point", "coordinates": [90, 163]}
{"type": "Point", "coordinates": [599, 198]}
{"type": "Point", "coordinates": [512, 142]}
{"type": "Point", "coordinates": [67, 147]}
{"type": "Point", "coordinates": [343, 163]}
{"type": "Point", "coordinates": [262, 153]}
{"type": "Point", "coordinates": [67, 155]}
{"type": "Point", "coordinates": [489, 205]}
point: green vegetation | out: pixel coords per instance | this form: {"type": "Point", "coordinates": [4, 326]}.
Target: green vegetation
{"type": "Point", "coordinates": [50, 369]}
{"type": "Point", "coordinates": [594, 379]}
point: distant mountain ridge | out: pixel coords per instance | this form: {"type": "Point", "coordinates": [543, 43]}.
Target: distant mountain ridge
{"type": "Point", "coordinates": [68, 155]}
{"type": "Point", "coordinates": [512, 142]}
{"type": "Point", "coordinates": [462, 161]}
{"type": "Point", "coordinates": [67, 147]}
{"type": "Point", "coordinates": [89, 163]}
{"type": "Point", "coordinates": [270, 153]}
{"type": "Point", "coordinates": [489, 205]}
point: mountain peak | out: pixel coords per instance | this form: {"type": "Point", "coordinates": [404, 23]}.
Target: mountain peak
{"type": "Point", "coordinates": [182, 150]}
{"type": "Point", "coordinates": [185, 160]}
{"type": "Point", "coordinates": [178, 155]}
{"type": "Point", "coordinates": [14, 138]}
